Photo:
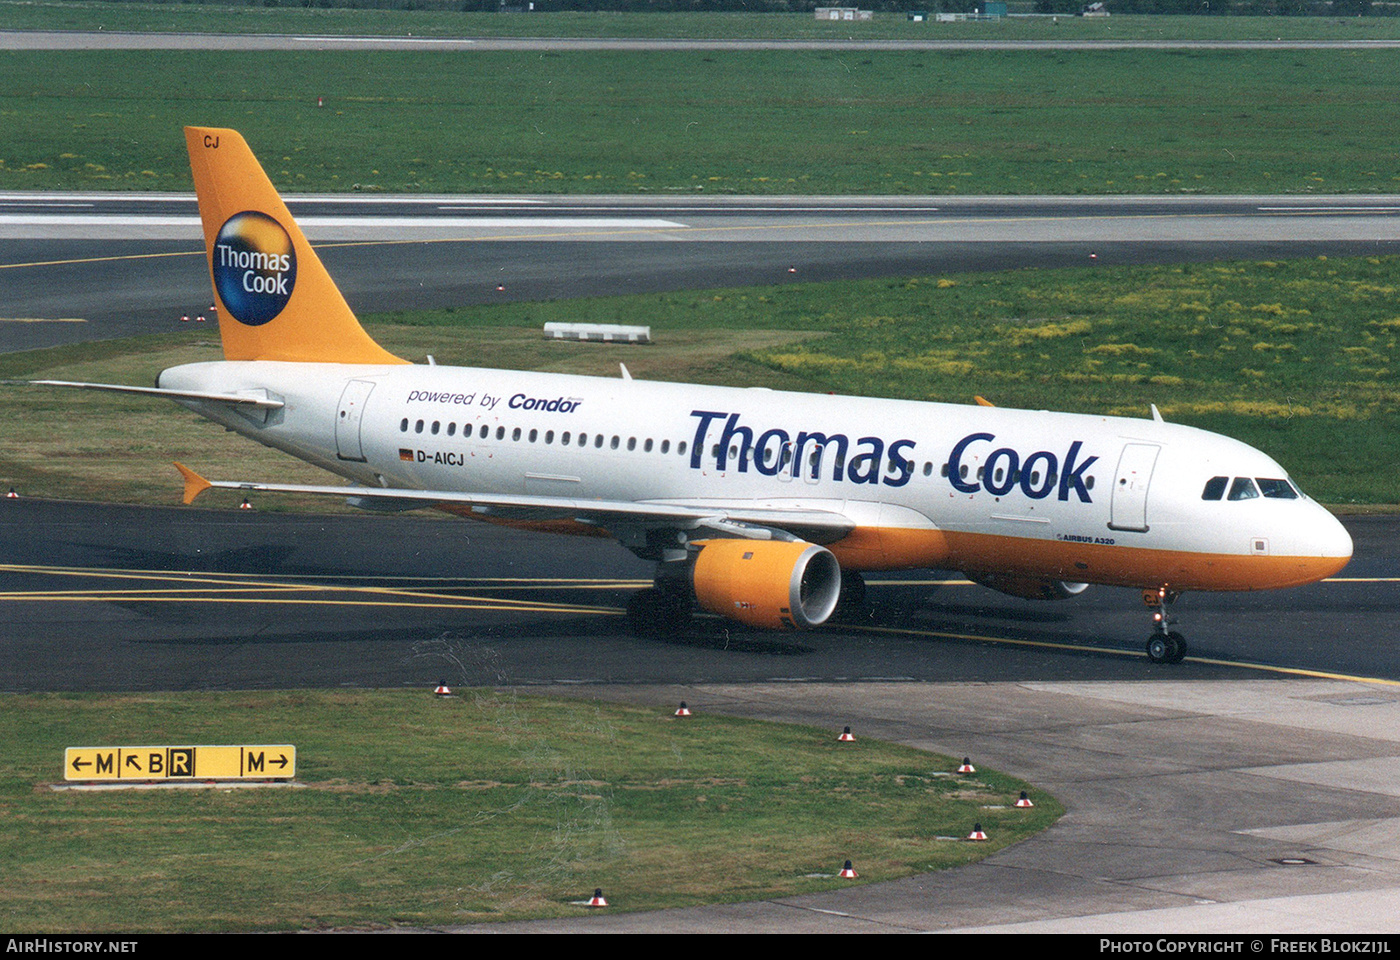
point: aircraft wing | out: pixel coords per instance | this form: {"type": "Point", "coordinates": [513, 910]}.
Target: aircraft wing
{"type": "Point", "coordinates": [736, 519]}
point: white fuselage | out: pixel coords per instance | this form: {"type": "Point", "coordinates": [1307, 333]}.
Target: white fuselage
{"type": "Point", "coordinates": [1023, 493]}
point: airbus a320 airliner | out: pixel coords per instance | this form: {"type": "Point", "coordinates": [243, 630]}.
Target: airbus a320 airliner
{"type": "Point", "coordinates": [760, 506]}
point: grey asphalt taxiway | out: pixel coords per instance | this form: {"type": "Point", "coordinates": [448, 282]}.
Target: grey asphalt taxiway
{"type": "Point", "coordinates": [82, 266]}
{"type": "Point", "coordinates": [1251, 788]}
{"type": "Point", "coordinates": [101, 597]}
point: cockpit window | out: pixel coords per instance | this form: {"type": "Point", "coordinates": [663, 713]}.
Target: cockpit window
{"type": "Point", "coordinates": [1243, 489]}
{"type": "Point", "coordinates": [1277, 489]}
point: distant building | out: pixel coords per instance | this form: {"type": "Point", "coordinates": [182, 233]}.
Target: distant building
{"type": "Point", "coordinates": [986, 10]}
{"type": "Point", "coordinates": [842, 13]}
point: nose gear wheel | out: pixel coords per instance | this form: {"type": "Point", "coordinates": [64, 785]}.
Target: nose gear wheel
{"type": "Point", "coordinates": [1165, 645]}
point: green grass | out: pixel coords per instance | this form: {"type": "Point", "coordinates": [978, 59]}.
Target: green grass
{"type": "Point", "coordinates": [751, 122]}
{"type": "Point", "coordinates": [1293, 357]}
{"type": "Point", "coordinates": [487, 806]}
{"type": "Point", "coordinates": [216, 18]}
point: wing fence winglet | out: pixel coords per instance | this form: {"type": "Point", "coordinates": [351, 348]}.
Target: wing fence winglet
{"type": "Point", "coordinates": [194, 483]}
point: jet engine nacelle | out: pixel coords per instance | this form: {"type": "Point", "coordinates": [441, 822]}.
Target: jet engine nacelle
{"type": "Point", "coordinates": [1028, 588]}
{"type": "Point", "coordinates": [767, 583]}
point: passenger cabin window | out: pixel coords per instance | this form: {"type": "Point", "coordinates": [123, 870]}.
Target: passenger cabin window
{"type": "Point", "coordinates": [1243, 489]}
{"type": "Point", "coordinates": [1215, 488]}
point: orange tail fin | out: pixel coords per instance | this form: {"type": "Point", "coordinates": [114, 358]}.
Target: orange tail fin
{"type": "Point", "coordinates": [276, 301]}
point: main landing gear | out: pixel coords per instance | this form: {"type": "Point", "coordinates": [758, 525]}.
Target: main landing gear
{"type": "Point", "coordinates": [1165, 645]}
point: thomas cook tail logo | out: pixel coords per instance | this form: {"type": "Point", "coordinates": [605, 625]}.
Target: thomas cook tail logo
{"type": "Point", "coordinates": [254, 267]}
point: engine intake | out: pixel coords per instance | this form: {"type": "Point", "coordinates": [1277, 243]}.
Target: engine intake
{"type": "Point", "coordinates": [767, 583]}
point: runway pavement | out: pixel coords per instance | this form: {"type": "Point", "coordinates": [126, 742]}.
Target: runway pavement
{"type": "Point", "coordinates": [1190, 790]}
{"type": "Point", "coordinates": [77, 267]}
{"type": "Point", "coordinates": [1245, 790]}
{"type": "Point", "coordinates": [117, 598]}
{"type": "Point", "coordinates": [117, 40]}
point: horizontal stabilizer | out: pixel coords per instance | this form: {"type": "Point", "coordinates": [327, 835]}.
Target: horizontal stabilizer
{"type": "Point", "coordinates": [194, 483]}
{"type": "Point", "coordinates": [252, 400]}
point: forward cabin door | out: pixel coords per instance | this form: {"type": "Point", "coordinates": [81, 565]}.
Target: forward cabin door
{"type": "Point", "coordinates": [348, 419]}
{"type": "Point", "coordinates": [1128, 510]}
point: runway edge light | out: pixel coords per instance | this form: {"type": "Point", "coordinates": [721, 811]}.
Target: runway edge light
{"type": "Point", "coordinates": [1025, 801]}
{"type": "Point", "coordinates": [683, 710]}
{"type": "Point", "coordinates": [977, 833]}
{"type": "Point", "coordinates": [846, 736]}
{"type": "Point", "coordinates": [848, 872]}
{"type": "Point", "coordinates": [967, 766]}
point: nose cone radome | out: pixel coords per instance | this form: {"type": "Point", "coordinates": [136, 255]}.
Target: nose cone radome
{"type": "Point", "coordinates": [1323, 547]}
{"type": "Point", "coordinates": [1333, 541]}
{"type": "Point", "coordinates": [1311, 546]}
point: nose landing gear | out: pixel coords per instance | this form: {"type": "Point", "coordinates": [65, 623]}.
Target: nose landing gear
{"type": "Point", "coordinates": [1165, 644]}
